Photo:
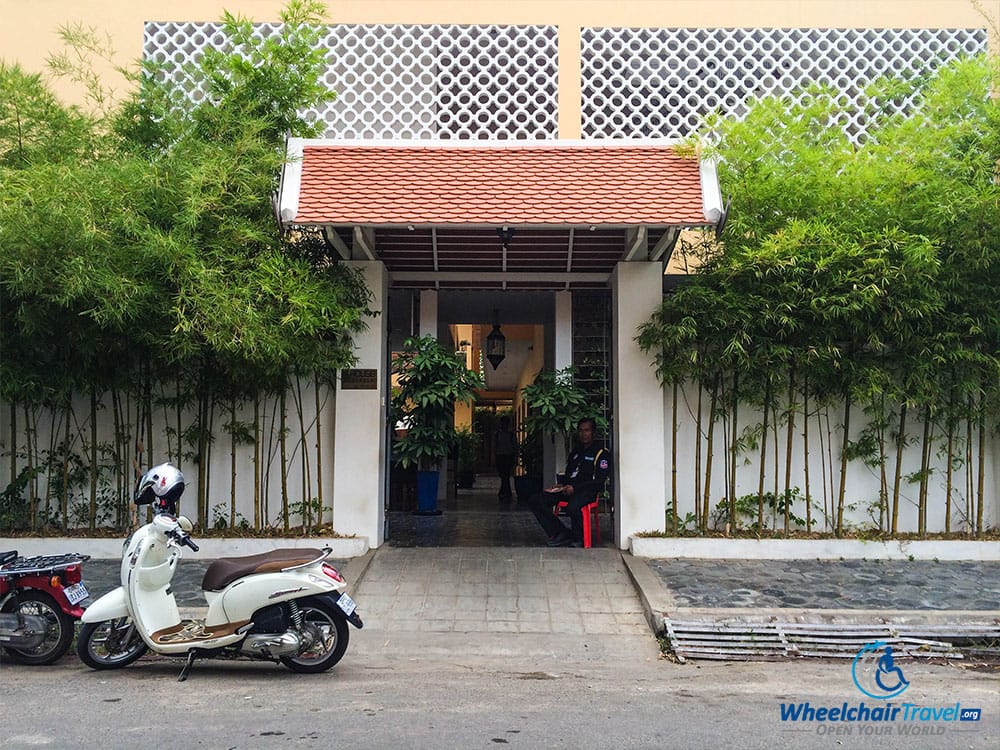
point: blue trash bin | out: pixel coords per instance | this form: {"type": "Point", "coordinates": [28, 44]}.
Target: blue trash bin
{"type": "Point", "coordinates": [427, 490]}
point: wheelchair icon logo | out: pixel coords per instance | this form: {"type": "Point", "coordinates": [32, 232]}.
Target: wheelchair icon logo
{"type": "Point", "coordinates": [876, 673]}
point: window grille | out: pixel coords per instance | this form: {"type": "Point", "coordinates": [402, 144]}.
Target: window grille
{"type": "Point", "coordinates": [646, 83]}
{"type": "Point", "coordinates": [411, 82]}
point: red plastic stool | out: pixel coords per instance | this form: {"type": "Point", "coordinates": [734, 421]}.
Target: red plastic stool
{"type": "Point", "coordinates": [589, 510]}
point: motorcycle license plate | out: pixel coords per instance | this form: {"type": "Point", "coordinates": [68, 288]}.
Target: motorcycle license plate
{"type": "Point", "coordinates": [347, 604]}
{"type": "Point", "coordinates": [76, 593]}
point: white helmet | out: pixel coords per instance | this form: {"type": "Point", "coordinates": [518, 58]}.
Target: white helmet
{"type": "Point", "coordinates": [162, 486]}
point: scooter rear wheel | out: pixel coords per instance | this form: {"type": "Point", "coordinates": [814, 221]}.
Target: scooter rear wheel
{"type": "Point", "coordinates": [58, 634]}
{"type": "Point", "coordinates": [110, 644]}
{"type": "Point", "coordinates": [330, 634]}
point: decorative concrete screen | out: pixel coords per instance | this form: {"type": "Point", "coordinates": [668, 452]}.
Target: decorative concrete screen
{"type": "Point", "coordinates": [414, 82]}
{"type": "Point", "coordinates": [642, 83]}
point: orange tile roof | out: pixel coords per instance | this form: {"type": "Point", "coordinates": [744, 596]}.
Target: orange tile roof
{"type": "Point", "coordinates": [496, 184]}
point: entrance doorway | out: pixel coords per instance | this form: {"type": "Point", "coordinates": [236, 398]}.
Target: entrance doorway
{"type": "Point", "coordinates": [472, 511]}
{"type": "Point", "coordinates": [472, 514]}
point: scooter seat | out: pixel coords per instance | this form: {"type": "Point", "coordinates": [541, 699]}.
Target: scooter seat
{"type": "Point", "coordinates": [225, 570]}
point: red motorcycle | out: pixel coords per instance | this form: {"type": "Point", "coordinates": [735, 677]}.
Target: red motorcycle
{"type": "Point", "coordinates": [40, 602]}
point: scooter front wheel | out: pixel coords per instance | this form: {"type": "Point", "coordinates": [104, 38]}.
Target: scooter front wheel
{"type": "Point", "coordinates": [110, 644]}
{"type": "Point", "coordinates": [328, 631]}
{"type": "Point", "coordinates": [58, 633]}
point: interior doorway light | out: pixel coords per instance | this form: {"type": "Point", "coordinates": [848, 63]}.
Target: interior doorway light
{"type": "Point", "coordinates": [496, 343]}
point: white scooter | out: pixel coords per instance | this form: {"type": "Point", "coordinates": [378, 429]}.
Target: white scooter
{"type": "Point", "coordinates": [286, 605]}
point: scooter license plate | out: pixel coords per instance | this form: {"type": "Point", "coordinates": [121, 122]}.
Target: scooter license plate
{"type": "Point", "coordinates": [347, 604]}
{"type": "Point", "coordinates": [76, 593]}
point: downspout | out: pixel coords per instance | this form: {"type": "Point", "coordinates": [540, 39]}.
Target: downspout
{"type": "Point", "coordinates": [290, 185]}
{"type": "Point", "coordinates": [711, 195]}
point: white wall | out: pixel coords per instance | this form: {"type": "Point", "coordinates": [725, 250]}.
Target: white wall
{"type": "Point", "coordinates": [347, 440]}
{"type": "Point", "coordinates": [643, 421]}
{"type": "Point", "coordinates": [640, 469]}
{"type": "Point", "coordinates": [301, 476]}
{"type": "Point", "coordinates": [360, 455]}
{"type": "Point", "coordinates": [863, 482]}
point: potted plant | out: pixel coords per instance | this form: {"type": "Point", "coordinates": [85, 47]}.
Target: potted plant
{"type": "Point", "coordinates": [529, 480]}
{"type": "Point", "coordinates": [431, 380]}
{"type": "Point", "coordinates": [467, 449]}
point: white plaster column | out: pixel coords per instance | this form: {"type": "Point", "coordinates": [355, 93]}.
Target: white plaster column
{"type": "Point", "coordinates": [569, 77]}
{"type": "Point", "coordinates": [428, 313]}
{"type": "Point", "coordinates": [564, 329]}
{"type": "Point", "coordinates": [563, 357]}
{"type": "Point", "coordinates": [360, 462]}
{"type": "Point", "coordinates": [428, 326]}
{"type": "Point", "coordinates": [640, 439]}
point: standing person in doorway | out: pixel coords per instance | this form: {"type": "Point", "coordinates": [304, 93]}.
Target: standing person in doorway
{"type": "Point", "coordinates": [587, 470]}
{"type": "Point", "coordinates": [504, 456]}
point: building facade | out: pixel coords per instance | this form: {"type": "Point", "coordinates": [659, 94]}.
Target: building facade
{"type": "Point", "coordinates": [561, 78]}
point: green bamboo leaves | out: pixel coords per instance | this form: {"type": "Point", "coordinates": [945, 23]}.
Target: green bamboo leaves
{"type": "Point", "coordinates": [139, 253]}
{"type": "Point", "coordinates": [857, 277]}
{"type": "Point", "coordinates": [556, 403]}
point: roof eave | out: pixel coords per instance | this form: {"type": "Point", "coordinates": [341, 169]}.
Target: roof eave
{"type": "Point", "coordinates": [452, 144]}
{"type": "Point", "coordinates": [495, 224]}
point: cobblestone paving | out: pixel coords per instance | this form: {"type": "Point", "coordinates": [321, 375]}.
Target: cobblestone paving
{"type": "Point", "coordinates": [848, 584]}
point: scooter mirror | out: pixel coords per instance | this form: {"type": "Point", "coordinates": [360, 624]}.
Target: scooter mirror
{"type": "Point", "coordinates": [185, 523]}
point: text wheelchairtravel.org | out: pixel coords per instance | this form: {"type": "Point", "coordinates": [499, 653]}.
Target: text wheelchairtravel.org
{"type": "Point", "coordinates": [860, 712]}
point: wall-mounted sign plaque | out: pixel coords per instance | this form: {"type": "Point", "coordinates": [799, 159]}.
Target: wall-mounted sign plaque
{"type": "Point", "coordinates": [359, 380]}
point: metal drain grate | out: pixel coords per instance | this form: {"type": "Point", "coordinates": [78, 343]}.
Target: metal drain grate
{"type": "Point", "coordinates": [692, 639]}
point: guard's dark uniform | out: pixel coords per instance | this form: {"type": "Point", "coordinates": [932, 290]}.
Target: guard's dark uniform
{"type": "Point", "coordinates": [587, 469]}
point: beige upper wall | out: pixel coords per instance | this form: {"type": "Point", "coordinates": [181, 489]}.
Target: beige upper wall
{"type": "Point", "coordinates": [29, 30]}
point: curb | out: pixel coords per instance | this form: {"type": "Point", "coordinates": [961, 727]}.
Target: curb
{"type": "Point", "coordinates": [814, 549]}
{"type": "Point", "coordinates": [653, 595]}
{"type": "Point", "coordinates": [355, 569]}
{"type": "Point", "coordinates": [905, 617]}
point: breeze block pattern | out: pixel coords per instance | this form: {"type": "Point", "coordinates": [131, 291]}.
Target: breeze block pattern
{"type": "Point", "coordinates": [411, 82]}
{"type": "Point", "coordinates": [642, 83]}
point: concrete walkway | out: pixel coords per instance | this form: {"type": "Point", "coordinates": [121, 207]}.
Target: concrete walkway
{"type": "Point", "coordinates": [553, 604]}
{"type": "Point", "coordinates": [561, 602]}
{"type": "Point", "coordinates": [478, 589]}
{"type": "Point", "coordinates": [556, 606]}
